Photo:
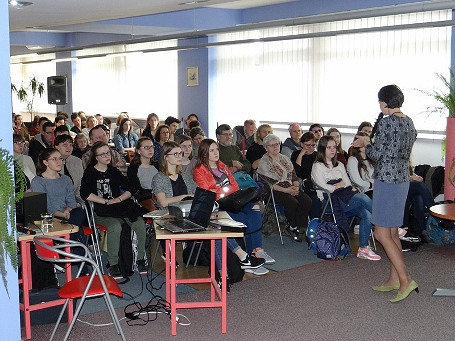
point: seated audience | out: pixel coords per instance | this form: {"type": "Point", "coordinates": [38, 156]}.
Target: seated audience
{"type": "Point", "coordinates": [277, 169]}
{"type": "Point", "coordinates": [80, 145]}
{"type": "Point", "coordinates": [90, 123]}
{"type": "Point", "coordinates": [72, 165]}
{"type": "Point", "coordinates": [230, 154]}
{"type": "Point", "coordinates": [125, 138]}
{"type": "Point", "coordinates": [186, 130]}
{"type": "Point", "coordinates": [317, 130]}
{"type": "Point", "coordinates": [77, 123]}
{"type": "Point", "coordinates": [211, 174]}
{"type": "Point", "coordinates": [342, 155]}
{"type": "Point", "coordinates": [150, 127]}
{"type": "Point", "coordinates": [20, 128]}
{"type": "Point", "coordinates": [34, 129]}
{"type": "Point", "coordinates": [101, 134]}
{"type": "Point", "coordinates": [105, 185]}
{"type": "Point", "coordinates": [197, 135]}
{"type": "Point", "coordinates": [303, 161]}
{"type": "Point", "coordinates": [292, 143]}
{"type": "Point", "coordinates": [331, 175]}
{"type": "Point", "coordinates": [244, 135]}
{"type": "Point", "coordinates": [61, 201]}
{"type": "Point", "coordinates": [173, 124]}
{"type": "Point", "coordinates": [142, 169]}
{"type": "Point", "coordinates": [28, 166]}
{"type": "Point", "coordinates": [41, 141]}
{"type": "Point", "coordinates": [188, 161]}
{"type": "Point", "coordinates": [161, 136]}
{"type": "Point", "coordinates": [256, 151]}
{"type": "Point", "coordinates": [360, 168]}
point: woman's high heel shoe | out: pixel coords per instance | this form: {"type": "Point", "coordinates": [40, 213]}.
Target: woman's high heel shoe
{"type": "Point", "coordinates": [386, 288]}
{"type": "Point", "coordinates": [402, 295]}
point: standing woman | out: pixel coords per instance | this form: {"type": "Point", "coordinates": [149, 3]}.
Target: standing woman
{"type": "Point", "coordinates": [391, 150]}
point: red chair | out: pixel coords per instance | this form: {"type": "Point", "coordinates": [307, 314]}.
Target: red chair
{"type": "Point", "coordinates": [51, 249]}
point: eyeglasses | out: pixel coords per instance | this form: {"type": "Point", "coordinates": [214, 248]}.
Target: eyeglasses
{"type": "Point", "coordinates": [317, 130]}
{"type": "Point", "coordinates": [55, 159]}
{"type": "Point", "coordinates": [310, 144]}
{"type": "Point", "coordinates": [227, 134]}
{"type": "Point", "coordinates": [148, 147]}
{"type": "Point", "coordinates": [274, 145]}
{"type": "Point", "coordinates": [20, 143]}
{"type": "Point", "coordinates": [104, 155]}
{"type": "Point", "coordinates": [180, 154]}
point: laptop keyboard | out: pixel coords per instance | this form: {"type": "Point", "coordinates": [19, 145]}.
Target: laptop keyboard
{"type": "Point", "coordinates": [180, 226]}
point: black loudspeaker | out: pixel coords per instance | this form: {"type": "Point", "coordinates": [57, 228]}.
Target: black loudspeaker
{"type": "Point", "coordinates": [56, 90]}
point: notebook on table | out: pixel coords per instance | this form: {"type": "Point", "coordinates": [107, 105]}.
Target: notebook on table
{"type": "Point", "coordinates": [198, 218]}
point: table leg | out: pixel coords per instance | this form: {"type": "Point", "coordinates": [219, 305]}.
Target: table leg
{"type": "Point", "coordinates": [173, 288]}
{"type": "Point", "coordinates": [444, 292]}
{"type": "Point", "coordinates": [224, 285]}
{"type": "Point", "coordinates": [69, 277]}
{"type": "Point", "coordinates": [26, 285]}
{"type": "Point", "coordinates": [212, 270]}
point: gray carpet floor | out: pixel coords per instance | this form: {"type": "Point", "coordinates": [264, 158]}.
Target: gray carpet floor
{"type": "Point", "coordinates": [325, 300]}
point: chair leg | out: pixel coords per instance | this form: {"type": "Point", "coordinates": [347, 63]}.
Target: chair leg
{"type": "Point", "coordinates": [59, 319]}
{"type": "Point", "coordinates": [155, 254]}
{"type": "Point", "coordinates": [373, 239]}
{"type": "Point", "coordinates": [198, 252]}
{"type": "Point", "coordinates": [191, 254]}
{"type": "Point", "coordinates": [276, 217]}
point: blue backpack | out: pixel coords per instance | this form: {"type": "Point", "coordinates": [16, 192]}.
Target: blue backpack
{"type": "Point", "coordinates": [327, 240]}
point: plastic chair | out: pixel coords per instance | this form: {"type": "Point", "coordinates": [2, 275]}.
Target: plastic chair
{"type": "Point", "coordinates": [276, 207]}
{"type": "Point", "coordinates": [51, 249]}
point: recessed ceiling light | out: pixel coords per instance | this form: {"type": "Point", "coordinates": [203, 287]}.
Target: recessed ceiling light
{"type": "Point", "coordinates": [187, 3]}
{"type": "Point", "coordinates": [19, 4]}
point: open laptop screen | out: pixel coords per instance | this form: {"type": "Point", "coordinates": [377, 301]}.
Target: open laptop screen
{"type": "Point", "coordinates": [202, 206]}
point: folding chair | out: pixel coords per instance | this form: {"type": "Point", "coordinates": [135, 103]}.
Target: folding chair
{"type": "Point", "coordinates": [51, 249]}
{"type": "Point", "coordinates": [276, 207]}
{"type": "Point", "coordinates": [91, 231]}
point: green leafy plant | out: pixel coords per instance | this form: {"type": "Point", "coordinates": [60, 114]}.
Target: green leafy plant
{"type": "Point", "coordinates": [8, 199]}
{"type": "Point", "coordinates": [28, 92]}
{"type": "Point", "coordinates": [445, 96]}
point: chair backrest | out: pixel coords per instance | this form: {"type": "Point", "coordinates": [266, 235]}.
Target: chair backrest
{"type": "Point", "coordinates": [44, 249]}
{"type": "Point", "coordinates": [52, 249]}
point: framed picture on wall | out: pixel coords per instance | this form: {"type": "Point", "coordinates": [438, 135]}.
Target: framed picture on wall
{"type": "Point", "coordinates": [192, 76]}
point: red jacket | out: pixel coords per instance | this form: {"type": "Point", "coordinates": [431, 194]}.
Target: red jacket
{"type": "Point", "coordinates": [204, 179]}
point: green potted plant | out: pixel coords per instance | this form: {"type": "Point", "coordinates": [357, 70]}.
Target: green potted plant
{"type": "Point", "coordinates": [28, 92]}
{"type": "Point", "coordinates": [8, 199]}
{"type": "Point", "coordinates": [446, 98]}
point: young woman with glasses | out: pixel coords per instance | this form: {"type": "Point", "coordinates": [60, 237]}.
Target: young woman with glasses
{"type": "Point", "coordinates": [142, 169]}
{"type": "Point", "coordinates": [104, 185]}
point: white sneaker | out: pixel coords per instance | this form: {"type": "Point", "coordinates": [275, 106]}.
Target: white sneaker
{"type": "Point", "coordinates": [262, 254]}
{"type": "Point", "coordinates": [258, 272]}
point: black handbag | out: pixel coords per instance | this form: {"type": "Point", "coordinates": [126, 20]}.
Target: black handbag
{"type": "Point", "coordinates": [234, 202]}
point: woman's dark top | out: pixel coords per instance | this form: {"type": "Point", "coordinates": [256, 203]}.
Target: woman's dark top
{"type": "Point", "coordinates": [179, 186]}
{"type": "Point", "coordinates": [148, 133]}
{"type": "Point", "coordinates": [303, 170]}
{"type": "Point", "coordinates": [79, 152]}
{"type": "Point", "coordinates": [255, 152]}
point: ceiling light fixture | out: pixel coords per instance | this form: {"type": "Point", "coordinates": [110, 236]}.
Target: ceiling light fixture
{"type": "Point", "coordinates": [19, 4]}
{"type": "Point", "coordinates": [188, 3]}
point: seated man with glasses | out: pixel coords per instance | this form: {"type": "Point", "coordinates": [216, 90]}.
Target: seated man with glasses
{"type": "Point", "coordinates": [41, 141]}
{"type": "Point", "coordinates": [230, 154]}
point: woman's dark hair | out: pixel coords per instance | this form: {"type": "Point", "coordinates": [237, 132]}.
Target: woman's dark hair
{"type": "Point", "coordinates": [316, 125]}
{"type": "Point", "coordinates": [97, 145]}
{"type": "Point", "coordinates": [62, 139]}
{"type": "Point", "coordinates": [158, 131]}
{"type": "Point", "coordinates": [322, 146]}
{"type": "Point", "coordinates": [203, 155]}
{"type": "Point", "coordinates": [196, 131]}
{"type": "Point", "coordinates": [149, 117]}
{"type": "Point", "coordinates": [167, 147]}
{"type": "Point", "coordinates": [194, 124]}
{"type": "Point", "coordinates": [122, 122]}
{"type": "Point", "coordinates": [182, 138]}
{"type": "Point", "coordinates": [35, 122]}
{"type": "Point", "coordinates": [392, 96]}
{"type": "Point", "coordinates": [44, 154]}
{"type": "Point", "coordinates": [137, 157]}
{"type": "Point", "coordinates": [339, 147]}
{"type": "Point", "coordinates": [308, 136]}
{"type": "Point", "coordinates": [357, 154]}
{"type": "Point", "coordinates": [363, 125]}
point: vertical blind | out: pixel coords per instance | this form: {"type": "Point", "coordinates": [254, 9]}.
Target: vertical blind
{"type": "Point", "coordinates": [332, 80]}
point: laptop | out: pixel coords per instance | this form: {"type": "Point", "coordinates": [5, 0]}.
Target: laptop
{"type": "Point", "coordinates": [198, 218]}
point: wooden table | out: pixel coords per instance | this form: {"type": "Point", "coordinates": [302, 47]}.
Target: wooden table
{"type": "Point", "coordinates": [172, 281]}
{"type": "Point", "coordinates": [61, 230]}
{"type": "Point", "coordinates": [444, 211]}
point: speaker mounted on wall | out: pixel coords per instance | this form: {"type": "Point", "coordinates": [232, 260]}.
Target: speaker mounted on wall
{"type": "Point", "coordinates": [56, 90]}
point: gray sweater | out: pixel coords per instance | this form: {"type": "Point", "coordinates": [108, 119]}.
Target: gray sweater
{"type": "Point", "coordinates": [60, 192]}
{"type": "Point", "coordinates": [162, 183]}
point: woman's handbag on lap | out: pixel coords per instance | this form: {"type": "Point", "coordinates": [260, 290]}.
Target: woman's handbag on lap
{"type": "Point", "coordinates": [237, 200]}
